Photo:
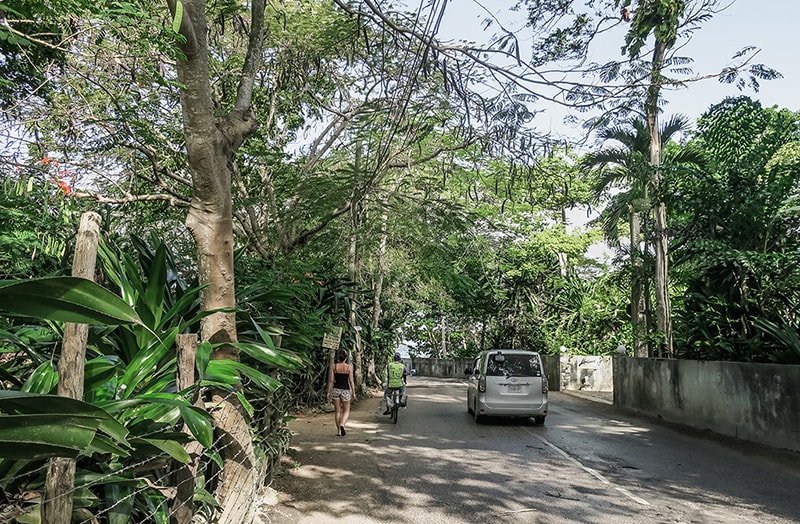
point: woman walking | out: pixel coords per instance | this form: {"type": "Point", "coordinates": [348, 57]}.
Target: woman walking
{"type": "Point", "coordinates": [341, 390]}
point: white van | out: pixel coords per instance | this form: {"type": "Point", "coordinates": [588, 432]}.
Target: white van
{"type": "Point", "coordinates": [507, 383]}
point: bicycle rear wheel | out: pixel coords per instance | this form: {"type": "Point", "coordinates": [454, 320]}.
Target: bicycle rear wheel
{"type": "Point", "coordinates": [395, 406]}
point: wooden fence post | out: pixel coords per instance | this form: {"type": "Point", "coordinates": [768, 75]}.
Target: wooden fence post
{"type": "Point", "coordinates": [183, 477]}
{"type": "Point", "coordinates": [57, 505]}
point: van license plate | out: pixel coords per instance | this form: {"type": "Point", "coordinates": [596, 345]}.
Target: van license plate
{"type": "Point", "coordinates": [514, 389]}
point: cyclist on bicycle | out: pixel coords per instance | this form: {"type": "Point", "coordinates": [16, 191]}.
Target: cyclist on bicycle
{"type": "Point", "coordinates": [396, 373]}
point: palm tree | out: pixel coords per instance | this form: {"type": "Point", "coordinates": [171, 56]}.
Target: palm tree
{"type": "Point", "coordinates": [625, 174]}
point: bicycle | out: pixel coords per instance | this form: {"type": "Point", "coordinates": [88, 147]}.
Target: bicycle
{"type": "Point", "coordinates": [397, 401]}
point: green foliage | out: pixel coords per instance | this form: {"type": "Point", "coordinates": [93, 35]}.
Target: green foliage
{"type": "Point", "coordinates": [587, 317]}
{"type": "Point", "coordinates": [36, 221]}
{"type": "Point", "coordinates": [737, 239]}
{"type": "Point", "coordinates": [30, 39]}
{"type": "Point", "coordinates": [296, 303]}
{"type": "Point", "coordinates": [492, 283]}
{"type": "Point", "coordinates": [65, 299]}
{"type": "Point", "coordinates": [129, 376]}
{"type": "Point", "coordinates": [36, 426]}
{"type": "Point", "coordinates": [657, 17]}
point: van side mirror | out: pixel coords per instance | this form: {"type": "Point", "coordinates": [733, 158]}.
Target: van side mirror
{"type": "Point", "coordinates": [468, 371]}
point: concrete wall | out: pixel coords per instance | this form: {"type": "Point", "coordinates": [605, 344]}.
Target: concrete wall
{"type": "Point", "coordinates": [455, 367]}
{"type": "Point", "coordinates": [756, 402]}
{"type": "Point", "coordinates": [586, 373]}
{"type": "Point", "coordinates": [552, 370]}
{"type": "Point", "coordinates": [441, 367]}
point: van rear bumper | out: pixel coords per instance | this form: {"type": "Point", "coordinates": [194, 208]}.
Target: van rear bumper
{"type": "Point", "coordinates": [515, 410]}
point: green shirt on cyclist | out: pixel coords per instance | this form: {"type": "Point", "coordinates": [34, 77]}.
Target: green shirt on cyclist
{"type": "Point", "coordinates": [396, 373]}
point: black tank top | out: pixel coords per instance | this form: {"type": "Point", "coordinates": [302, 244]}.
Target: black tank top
{"type": "Point", "coordinates": [341, 380]}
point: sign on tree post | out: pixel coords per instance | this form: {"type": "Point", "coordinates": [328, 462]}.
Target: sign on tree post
{"type": "Point", "coordinates": [332, 338]}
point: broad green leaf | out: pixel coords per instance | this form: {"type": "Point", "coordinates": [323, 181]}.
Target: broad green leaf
{"type": "Point", "coordinates": [184, 304]}
{"type": "Point", "coordinates": [248, 407]}
{"type": "Point", "coordinates": [223, 371]}
{"type": "Point", "coordinates": [34, 403]}
{"type": "Point", "coordinates": [123, 495]}
{"type": "Point", "coordinates": [199, 423]}
{"type": "Point", "coordinates": [262, 379]}
{"type": "Point", "coordinates": [98, 371]}
{"type": "Point", "coordinates": [19, 402]}
{"type": "Point", "coordinates": [268, 355]}
{"type": "Point", "coordinates": [65, 299]}
{"type": "Point", "coordinates": [216, 457]}
{"type": "Point", "coordinates": [156, 283]}
{"type": "Point", "coordinates": [203, 357]}
{"type": "Point", "coordinates": [42, 436]}
{"type": "Point", "coordinates": [204, 497]}
{"type": "Point", "coordinates": [43, 379]}
{"type": "Point", "coordinates": [93, 478]}
{"type": "Point", "coordinates": [170, 447]}
{"type": "Point", "coordinates": [104, 445]}
{"type": "Point", "coordinates": [144, 363]}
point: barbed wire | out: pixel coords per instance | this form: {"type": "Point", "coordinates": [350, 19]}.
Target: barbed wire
{"type": "Point", "coordinates": [267, 432]}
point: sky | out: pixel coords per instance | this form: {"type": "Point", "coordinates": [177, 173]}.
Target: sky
{"type": "Point", "coordinates": [770, 25]}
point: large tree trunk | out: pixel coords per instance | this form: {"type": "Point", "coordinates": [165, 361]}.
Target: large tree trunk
{"type": "Point", "coordinates": [354, 273]}
{"type": "Point", "coordinates": [211, 145]}
{"type": "Point", "coordinates": [638, 326]}
{"type": "Point", "coordinates": [354, 269]}
{"type": "Point", "coordinates": [663, 309]}
{"type": "Point", "coordinates": [377, 309]}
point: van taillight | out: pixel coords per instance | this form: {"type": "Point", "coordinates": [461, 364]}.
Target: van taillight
{"type": "Point", "coordinates": [544, 385]}
{"type": "Point", "coordinates": [482, 384]}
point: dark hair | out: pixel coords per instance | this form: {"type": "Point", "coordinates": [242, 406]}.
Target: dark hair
{"type": "Point", "coordinates": [341, 355]}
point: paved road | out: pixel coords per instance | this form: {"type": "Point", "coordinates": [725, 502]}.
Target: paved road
{"type": "Point", "coordinates": [589, 463]}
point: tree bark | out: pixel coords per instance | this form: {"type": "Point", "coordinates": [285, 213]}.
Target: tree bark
{"type": "Point", "coordinates": [354, 272]}
{"type": "Point", "coordinates": [354, 268]}
{"type": "Point", "coordinates": [638, 325]}
{"type": "Point", "coordinates": [211, 145]}
{"type": "Point", "coordinates": [57, 506]}
{"type": "Point", "coordinates": [377, 310]}
{"type": "Point", "coordinates": [660, 240]}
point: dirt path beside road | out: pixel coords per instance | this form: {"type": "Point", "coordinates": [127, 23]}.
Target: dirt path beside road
{"type": "Point", "coordinates": [317, 471]}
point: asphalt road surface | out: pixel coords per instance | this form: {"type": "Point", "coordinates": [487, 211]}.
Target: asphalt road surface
{"type": "Point", "coordinates": [589, 462]}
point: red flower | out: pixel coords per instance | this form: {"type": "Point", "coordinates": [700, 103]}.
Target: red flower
{"type": "Point", "coordinates": [64, 187]}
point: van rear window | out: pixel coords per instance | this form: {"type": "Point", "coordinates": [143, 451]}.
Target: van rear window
{"type": "Point", "coordinates": [514, 366]}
